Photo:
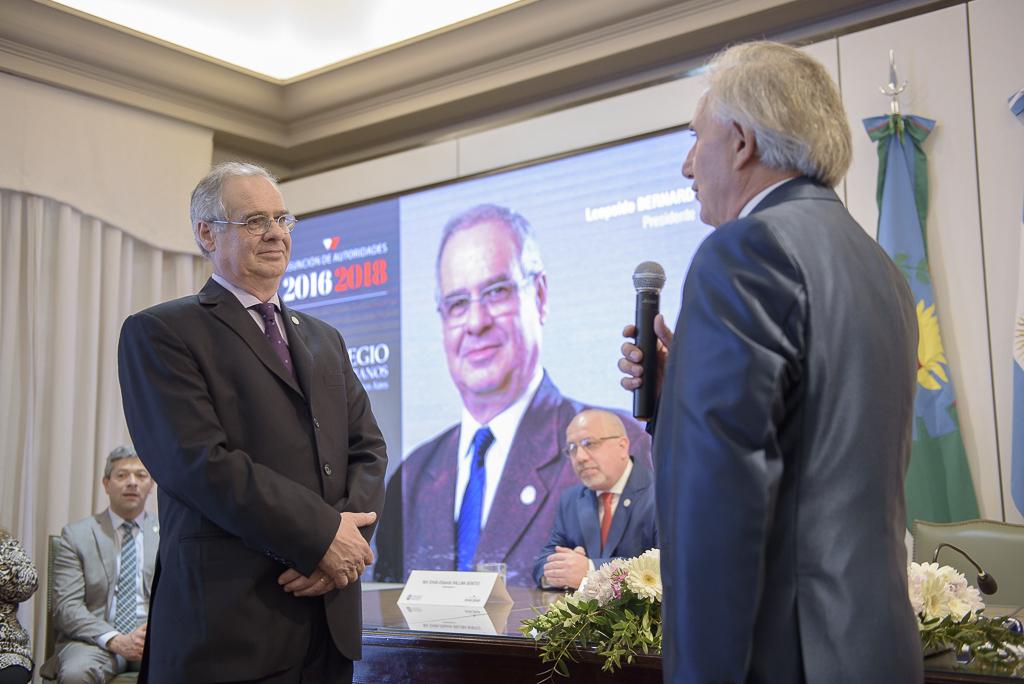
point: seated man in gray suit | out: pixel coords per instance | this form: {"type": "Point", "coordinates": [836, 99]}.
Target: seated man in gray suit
{"type": "Point", "coordinates": [611, 515]}
{"type": "Point", "coordinates": [102, 577]}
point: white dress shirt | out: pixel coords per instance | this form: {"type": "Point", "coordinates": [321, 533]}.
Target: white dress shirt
{"type": "Point", "coordinates": [503, 426]}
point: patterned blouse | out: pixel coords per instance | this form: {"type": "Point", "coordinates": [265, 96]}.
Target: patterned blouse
{"type": "Point", "coordinates": [17, 584]}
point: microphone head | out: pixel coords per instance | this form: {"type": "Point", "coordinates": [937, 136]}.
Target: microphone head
{"type": "Point", "coordinates": [649, 277]}
{"type": "Point", "coordinates": [987, 584]}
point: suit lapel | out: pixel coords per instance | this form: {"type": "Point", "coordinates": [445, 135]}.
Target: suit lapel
{"type": "Point", "coordinates": [586, 513]}
{"type": "Point", "coordinates": [298, 347]}
{"type": "Point", "coordinates": [531, 470]}
{"type": "Point", "coordinates": [106, 545]}
{"type": "Point", "coordinates": [620, 521]}
{"type": "Point", "coordinates": [150, 544]}
{"type": "Point", "coordinates": [226, 307]}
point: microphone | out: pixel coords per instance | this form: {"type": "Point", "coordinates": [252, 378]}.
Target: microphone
{"type": "Point", "coordinates": [648, 279]}
{"type": "Point", "coordinates": [986, 582]}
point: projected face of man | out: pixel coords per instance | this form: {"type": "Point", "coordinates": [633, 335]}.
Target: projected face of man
{"type": "Point", "coordinates": [492, 351]}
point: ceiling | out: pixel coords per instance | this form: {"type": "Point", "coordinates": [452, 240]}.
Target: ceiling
{"type": "Point", "coordinates": [284, 39]}
{"type": "Point", "coordinates": [514, 62]}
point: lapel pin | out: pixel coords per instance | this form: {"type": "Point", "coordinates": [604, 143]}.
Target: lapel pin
{"type": "Point", "coordinates": [626, 503]}
{"type": "Point", "coordinates": [295, 320]}
{"type": "Point", "coordinates": [528, 495]}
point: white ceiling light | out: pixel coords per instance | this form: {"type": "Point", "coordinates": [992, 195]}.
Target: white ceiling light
{"type": "Point", "coordinates": [284, 38]}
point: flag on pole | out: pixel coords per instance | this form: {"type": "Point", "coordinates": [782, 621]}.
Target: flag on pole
{"type": "Point", "coordinates": [1017, 464]}
{"type": "Point", "coordinates": [938, 485]}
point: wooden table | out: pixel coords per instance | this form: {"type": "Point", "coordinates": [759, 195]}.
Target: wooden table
{"type": "Point", "coordinates": [490, 650]}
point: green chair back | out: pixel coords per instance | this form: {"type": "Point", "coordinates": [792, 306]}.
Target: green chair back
{"type": "Point", "coordinates": [997, 547]}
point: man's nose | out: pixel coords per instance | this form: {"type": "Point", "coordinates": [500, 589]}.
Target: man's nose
{"type": "Point", "coordinates": [478, 318]}
{"type": "Point", "coordinates": [688, 165]}
{"type": "Point", "coordinates": [276, 232]}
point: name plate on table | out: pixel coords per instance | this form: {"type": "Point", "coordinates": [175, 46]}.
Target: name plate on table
{"type": "Point", "coordinates": [450, 588]}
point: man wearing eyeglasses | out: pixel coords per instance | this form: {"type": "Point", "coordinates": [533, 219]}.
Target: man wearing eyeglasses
{"type": "Point", "coordinates": [486, 490]}
{"type": "Point", "coordinates": [609, 515]}
{"type": "Point", "coordinates": [270, 463]}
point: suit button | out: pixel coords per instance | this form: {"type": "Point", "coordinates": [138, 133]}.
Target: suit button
{"type": "Point", "coordinates": [316, 423]}
{"type": "Point", "coordinates": [327, 468]}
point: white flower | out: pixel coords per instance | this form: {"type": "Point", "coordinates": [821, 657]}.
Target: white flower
{"type": "Point", "coordinates": [644, 578]}
{"type": "Point", "coordinates": [936, 592]}
{"type": "Point", "coordinates": [598, 583]}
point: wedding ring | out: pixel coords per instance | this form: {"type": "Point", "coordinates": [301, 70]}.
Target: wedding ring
{"type": "Point", "coordinates": [323, 580]}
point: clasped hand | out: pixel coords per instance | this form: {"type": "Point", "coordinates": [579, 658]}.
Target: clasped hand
{"type": "Point", "coordinates": [346, 559]}
{"type": "Point", "coordinates": [567, 567]}
{"type": "Point", "coordinates": [129, 646]}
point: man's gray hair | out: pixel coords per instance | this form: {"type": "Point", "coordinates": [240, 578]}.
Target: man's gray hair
{"type": "Point", "coordinates": [207, 200]}
{"type": "Point", "coordinates": [789, 100]}
{"type": "Point", "coordinates": [119, 454]}
{"type": "Point", "coordinates": [518, 227]}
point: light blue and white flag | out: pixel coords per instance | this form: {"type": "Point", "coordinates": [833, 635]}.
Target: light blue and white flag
{"type": "Point", "coordinates": [1017, 466]}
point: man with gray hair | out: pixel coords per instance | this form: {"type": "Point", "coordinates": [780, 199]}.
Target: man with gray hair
{"type": "Point", "coordinates": [271, 465]}
{"type": "Point", "coordinates": [486, 490]}
{"type": "Point", "coordinates": [102, 577]}
{"type": "Point", "coordinates": [783, 432]}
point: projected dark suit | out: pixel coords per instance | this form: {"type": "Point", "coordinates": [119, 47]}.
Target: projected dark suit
{"type": "Point", "coordinates": [634, 525]}
{"type": "Point", "coordinates": [516, 531]}
{"type": "Point", "coordinates": [781, 445]}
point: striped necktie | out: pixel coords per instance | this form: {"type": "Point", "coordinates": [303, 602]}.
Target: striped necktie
{"type": "Point", "coordinates": [124, 617]}
{"type": "Point", "coordinates": [468, 531]}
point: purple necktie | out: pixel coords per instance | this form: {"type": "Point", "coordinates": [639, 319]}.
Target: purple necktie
{"type": "Point", "coordinates": [275, 337]}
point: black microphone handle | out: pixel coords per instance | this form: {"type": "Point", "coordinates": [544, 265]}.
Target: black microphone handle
{"type": "Point", "coordinates": [644, 398]}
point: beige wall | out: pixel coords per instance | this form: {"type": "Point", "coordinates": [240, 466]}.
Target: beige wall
{"type": "Point", "coordinates": [961, 66]}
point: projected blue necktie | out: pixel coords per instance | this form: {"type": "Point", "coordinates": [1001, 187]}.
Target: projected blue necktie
{"type": "Point", "coordinates": [468, 533]}
{"type": "Point", "coordinates": [124, 615]}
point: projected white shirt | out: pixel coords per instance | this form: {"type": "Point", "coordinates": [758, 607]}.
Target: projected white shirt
{"type": "Point", "coordinates": [503, 426]}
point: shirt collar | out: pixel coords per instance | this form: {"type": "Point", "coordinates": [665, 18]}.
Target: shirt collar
{"type": "Point", "coordinates": [756, 199]}
{"type": "Point", "coordinates": [247, 299]}
{"type": "Point", "coordinates": [117, 520]}
{"type": "Point", "coordinates": [621, 484]}
{"type": "Point", "coordinates": [504, 425]}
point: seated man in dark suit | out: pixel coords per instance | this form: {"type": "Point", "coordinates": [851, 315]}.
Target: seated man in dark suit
{"type": "Point", "coordinates": [102, 577]}
{"type": "Point", "coordinates": [610, 515]}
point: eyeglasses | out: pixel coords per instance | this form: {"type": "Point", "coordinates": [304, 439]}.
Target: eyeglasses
{"type": "Point", "coordinates": [259, 225]}
{"type": "Point", "coordinates": [588, 444]}
{"type": "Point", "coordinates": [498, 299]}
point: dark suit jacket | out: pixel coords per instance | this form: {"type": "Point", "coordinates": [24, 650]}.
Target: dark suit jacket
{"type": "Point", "coordinates": [85, 577]}
{"type": "Point", "coordinates": [781, 446]}
{"type": "Point", "coordinates": [634, 525]}
{"type": "Point", "coordinates": [253, 470]}
{"type": "Point", "coordinates": [515, 530]}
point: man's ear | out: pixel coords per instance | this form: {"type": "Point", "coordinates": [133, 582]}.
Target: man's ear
{"type": "Point", "coordinates": [204, 229]}
{"type": "Point", "coordinates": [541, 280]}
{"type": "Point", "coordinates": [744, 145]}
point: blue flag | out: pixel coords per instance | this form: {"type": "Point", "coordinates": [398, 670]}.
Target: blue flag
{"type": "Point", "coordinates": [938, 485]}
{"type": "Point", "coordinates": [1017, 465]}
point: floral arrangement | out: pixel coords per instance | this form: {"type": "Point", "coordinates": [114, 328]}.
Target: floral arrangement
{"type": "Point", "coordinates": [617, 609]}
{"type": "Point", "coordinates": [949, 617]}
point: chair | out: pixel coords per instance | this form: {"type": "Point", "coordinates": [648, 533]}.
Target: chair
{"type": "Point", "coordinates": [997, 547]}
{"type": "Point", "coordinates": [51, 629]}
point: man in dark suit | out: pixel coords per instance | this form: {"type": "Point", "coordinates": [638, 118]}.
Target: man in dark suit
{"type": "Point", "coordinates": [609, 515]}
{"type": "Point", "coordinates": [783, 431]}
{"type": "Point", "coordinates": [102, 577]}
{"type": "Point", "coordinates": [269, 461]}
{"type": "Point", "coordinates": [486, 490]}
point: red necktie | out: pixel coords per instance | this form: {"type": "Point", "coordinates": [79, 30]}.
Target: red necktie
{"type": "Point", "coordinates": [606, 522]}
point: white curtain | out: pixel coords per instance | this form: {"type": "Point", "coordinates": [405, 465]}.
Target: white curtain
{"type": "Point", "coordinates": [67, 282]}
